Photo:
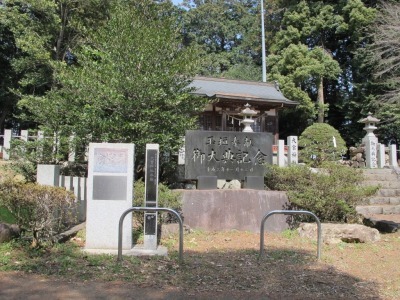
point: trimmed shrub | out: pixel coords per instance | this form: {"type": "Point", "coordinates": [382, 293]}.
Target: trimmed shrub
{"type": "Point", "coordinates": [317, 144]}
{"type": "Point", "coordinates": [166, 198]}
{"type": "Point", "coordinates": [42, 210]}
{"type": "Point", "coordinates": [331, 192]}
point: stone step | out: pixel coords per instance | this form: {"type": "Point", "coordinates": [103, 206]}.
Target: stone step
{"type": "Point", "coordinates": [378, 171]}
{"type": "Point", "coordinates": [384, 200]}
{"type": "Point", "coordinates": [385, 209]}
{"type": "Point", "coordinates": [388, 193]}
{"type": "Point", "coordinates": [381, 177]}
{"type": "Point", "coordinates": [382, 184]}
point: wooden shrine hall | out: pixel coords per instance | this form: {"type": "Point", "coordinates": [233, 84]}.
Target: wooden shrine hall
{"type": "Point", "coordinates": [231, 96]}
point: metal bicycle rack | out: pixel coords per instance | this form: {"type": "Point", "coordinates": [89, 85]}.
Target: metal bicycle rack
{"type": "Point", "coordinates": [153, 209]}
{"type": "Point", "coordinates": [289, 212]}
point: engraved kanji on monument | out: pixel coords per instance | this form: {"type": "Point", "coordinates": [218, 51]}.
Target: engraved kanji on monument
{"type": "Point", "coordinates": [227, 155]}
{"type": "Point", "coordinates": [109, 192]}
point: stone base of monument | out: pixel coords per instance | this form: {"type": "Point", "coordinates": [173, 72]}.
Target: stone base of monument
{"type": "Point", "coordinates": [137, 250]}
{"type": "Point", "coordinates": [216, 210]}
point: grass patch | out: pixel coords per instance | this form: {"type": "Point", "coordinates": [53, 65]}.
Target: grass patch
{"type": "Point", "coordinates": [6, 216]}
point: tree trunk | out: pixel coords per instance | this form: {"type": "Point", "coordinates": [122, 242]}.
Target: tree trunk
{"type": "Point", "coordinates": [321, 101]}
{"type": "Point", "coordinates": [64, 16]}
{"type": "Point", "coordinates": [35, 239]}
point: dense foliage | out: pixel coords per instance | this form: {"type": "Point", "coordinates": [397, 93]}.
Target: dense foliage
{"type": "Point", "coordinates": [331, 192]}
{"type": "Point", "coordinates": [124, 58]}
{"type": "Point", "coordinates": [321, 142]}
{"type": "Point", "coordinates": [130, 84]}
{"type": "Point", "coordinates": [36, 33]}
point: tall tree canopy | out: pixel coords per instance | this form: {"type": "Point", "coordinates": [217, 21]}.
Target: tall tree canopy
{"type": "Point", "coordinates": [227, 34]}
{"type": "Point", "coordinates": [130, 82]}
{"type": "Point", "coordinates": [40, 32]}
{"type": "Point", "coordinates": [8, 77]}
{"type": "Point", "coordinates": [386, 48]}
{"type": "Point", "coordinates": [312, 55]}
{"type": "Point", "coordinates": [385, 64]}
{"type": "Point", "coordinates": [58, 55]}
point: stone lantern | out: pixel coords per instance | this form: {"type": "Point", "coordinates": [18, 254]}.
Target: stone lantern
{"type": "Point", "coordinates": [247, 121]}
{"type": "Point", "coordinates": [370, 141]}
{"type": "Point", "coordinates": [370, 126]}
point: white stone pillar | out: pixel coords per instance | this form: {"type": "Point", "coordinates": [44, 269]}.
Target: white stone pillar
{"type": "Point", "coordinates": [40, 137]}
{"type": "Point", "coordinates": [293, 152]}
{"type": "Point", "coordinates": [7, 143]}
{"type": "Point", "coordinates": [281, 153]}
{"type": "Point", "coordinates": [71, 152]}
{"type": "Point", "coordinates": [24, 135]}
{"type": "Point", "coordinates": [393, 156]}
{"type": "Point", "coordinates": [48, 175]}
{"type": "Point", "coordinates": [56, 146]}
{"type": "Point", "coordinates": [381, 156]}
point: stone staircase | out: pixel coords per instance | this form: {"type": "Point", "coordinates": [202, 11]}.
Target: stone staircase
{"type": "Point", "coordinates": [383, 209]}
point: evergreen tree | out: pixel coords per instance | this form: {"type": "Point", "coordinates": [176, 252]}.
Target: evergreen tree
{"type": "Point", "coordinates": [130, 83]}
{"type": "Point", "coordinates": [42, 32]}
{"type": "Point", "coordinates": [227, 34]}
{"type": "Point", "coordinates": [332, 32]}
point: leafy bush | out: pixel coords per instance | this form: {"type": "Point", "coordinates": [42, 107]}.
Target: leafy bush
{"type": "Point", "coordinates": [317, 144]}
{"type": "Point", "coordinates": [331, 192]}
{"type": "Point", "coordinates": [42, 210]}
{"type": "Point", "coordinates": [166, 197]}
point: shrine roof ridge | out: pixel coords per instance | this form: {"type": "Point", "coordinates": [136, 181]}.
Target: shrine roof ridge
{"type": "Point", "coordinates": [240, 90]}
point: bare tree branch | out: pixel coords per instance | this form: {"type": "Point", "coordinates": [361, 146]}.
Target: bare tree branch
{"type": "Point", "coordinates": [386, 49]}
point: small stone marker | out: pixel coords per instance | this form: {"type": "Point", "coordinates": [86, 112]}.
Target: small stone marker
{"type": "Point", "coordinates": [109, 194]}
{"type": "Point", "coordinates": [151, 196]}
{"type": "Point", "coordinates": [292, 150]}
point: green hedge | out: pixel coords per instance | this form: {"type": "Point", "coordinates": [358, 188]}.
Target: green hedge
{"type": "Point", "coordinates": [331, 192]}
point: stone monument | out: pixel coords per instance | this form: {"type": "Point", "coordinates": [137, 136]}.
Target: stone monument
{"type": "Point", "coordinates": [151, 196]}
{"type": "Point", "coordinates": [109, 194]}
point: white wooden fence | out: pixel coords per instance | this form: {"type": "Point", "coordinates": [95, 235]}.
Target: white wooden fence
{"type": "Point", "coordinates": [24, 136]}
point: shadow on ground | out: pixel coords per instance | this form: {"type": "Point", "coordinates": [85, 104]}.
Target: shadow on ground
{"type": "Point", "coordinates": [226, 274]}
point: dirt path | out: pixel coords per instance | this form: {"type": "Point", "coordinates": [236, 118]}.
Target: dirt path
{"type": "Point", "coordinates": [217, 265]}
{"type": "Point", "coordinates": [15, 285]}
